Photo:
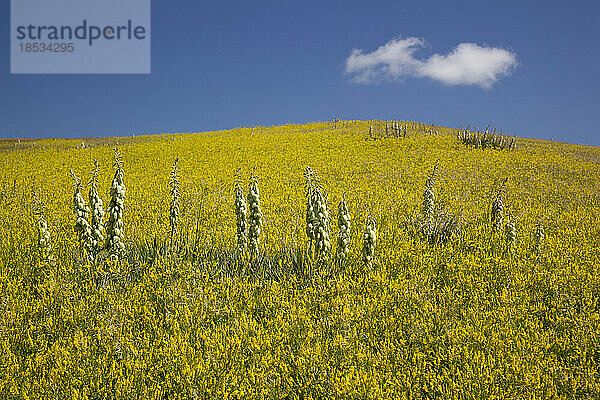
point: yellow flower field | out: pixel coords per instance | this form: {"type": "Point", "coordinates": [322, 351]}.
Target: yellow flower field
{"type": "Point", "coordinates": [471, 317]}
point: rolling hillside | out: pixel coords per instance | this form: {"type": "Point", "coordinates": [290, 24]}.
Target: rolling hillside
{"type": "Point", "coordinates": [484, 281]}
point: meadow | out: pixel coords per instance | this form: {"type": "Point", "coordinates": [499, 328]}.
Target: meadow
{"type": "Point", "coordinates": [480, 280]}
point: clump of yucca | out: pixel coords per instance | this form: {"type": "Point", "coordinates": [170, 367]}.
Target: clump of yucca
{"type": "Point", "coordinates": [510, 234]}
{"type": "Point", "coordinates": [174, 206]}
{"type": "Point", "coordinates": [97, 214]}
{"type": "Point", "coordinates": [427, 207]}
{"type": "Point", "coordinates": [241, 213]}
{"type": "Point", "coordinates": [487, 139]}
{"type": "Point", "coordinates": [82, 226]}
{"type": "Point", "coordinates": [255, 216]}
{"type": "Point", "coordinates": [317, 217]}
{"type": "Point", "coordinates": [436, 223]}
{"type": "Point", "coordinates": [369, 242]}
{"type": "Point", "coordinates": [114, 226]}
{"type": "Point", "coordinates": [444, 226]}
{"type": "Point", "coordinates": [44, 245]}
{"type": "Point", "coordinates": [343, 239]}
{"type": "Point", "coordinates": [540, 237]}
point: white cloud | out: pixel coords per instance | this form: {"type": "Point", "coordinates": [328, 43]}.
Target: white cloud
{"type": "Point", "coordinates": [470, 64]}
{"type": "Point", "coordinates": [467, 64]}
{"type": "Point", "coordinates": [391, 61]}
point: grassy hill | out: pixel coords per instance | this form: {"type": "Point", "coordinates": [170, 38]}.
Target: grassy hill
{"type": "Point", "coordinates": [450, 305]}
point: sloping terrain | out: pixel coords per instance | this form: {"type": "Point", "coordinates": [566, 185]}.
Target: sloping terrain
{"type": "Point", "coordinates": [469, 296]}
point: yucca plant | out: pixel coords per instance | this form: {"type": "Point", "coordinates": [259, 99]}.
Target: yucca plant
{"type": "Point", "coordinates": [114, 226]}
{"type": "Point", "coordinates": [369, 242]}
{"type": "Point", "coordinates": [540, 237]}
{"type": "Point", "coordinates": [174, 206]}
{"type": "Point", "coordinates": [445, 225]}
{"type": "Point", "coordinates": [97, 214]}
{"type": "Point", "coordinates": [436, 223]}
{"type": "Point", "coordinates": [310, 212]}
{"type": "Point", "coordinates": [510, 234]}
{"type": "Point", "coordinates": [343, 240]}
{"type": "Point", "coordinates": [317, 217]}
{"type": "Point", "coordinates": [82, 211]}
{"type": "Point", "coordinates": [428, 204]}
{"type": "Point", "coordinates": [487, 139]}
{"type": "Point", "coordinates": [255, 216]}
{"type": "Point", "coordinates": [497, 206]}
{"type": "Point", "coordinates": [43, 241]}
{"type": "Point", "coordinates": [241, 213]}
{"type": "Point", "coordinates": [322, 233]}
{"type": "Point", "coordinates": [310, 215]}
{"type": "Point", "coordinates": [497, 212]}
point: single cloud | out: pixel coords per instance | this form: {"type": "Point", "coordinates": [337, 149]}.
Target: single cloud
{"type": "Point", "coordinates": [392, 61]}
{"type": "Point", "coordinates": [467, 64]}
{"type": "Point", "coordinates": [470, 64]}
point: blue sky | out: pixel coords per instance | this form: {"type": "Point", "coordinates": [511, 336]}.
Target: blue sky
{"type": "Point", "coordinates": [220, 65]}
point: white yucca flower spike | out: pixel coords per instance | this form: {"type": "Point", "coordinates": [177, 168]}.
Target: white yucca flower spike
{"type": "Point", "coordinates": [241, 213]}
{"type": "Point", "coordinates": [97, 213]}
{"type": "Point", "coordinates": [510, 233]}
{"type": "Point", "coordinates": [114, 226]}
{"type": "Point", "coordinates": [44, 237]}
{"type": "Point", "coordinates": [317, 217]}
{"type": "Point", "coordinates": [497, 208]}
{"type": "Point", "coordinates": [429, 200]}
{"type": "Point", "coordinates": [343, 240]}
{"type": "Point", "coordinates": [255, 216]}
{"type": "Point", "coordinates": [310, 212]}
{"type": "Point", "coordinates": [497, 213]}
{"type": "Point", "coordinates": [44, 244]}
{"type": "Point", "coordinates": [540, 237]}
{"type": "Point", "coordinates": [174, 206]}
{"type": "Point", "coordinates": [369, 241]}
{"type": "Point", "coordinates": [322, 234]}
{"type": "Point", "coordinates": [82, 212]}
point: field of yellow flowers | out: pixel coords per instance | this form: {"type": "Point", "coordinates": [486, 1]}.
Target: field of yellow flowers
{"type": "Point", "coordinates": [488, 312]}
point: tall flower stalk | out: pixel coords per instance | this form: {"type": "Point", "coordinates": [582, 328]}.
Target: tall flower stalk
{"type": "Point", "coordinates": [82, 211]}
{"type": "Point", "coordinates": [114, 226]}
{"type": "Point", "coordinates": [241, 213]}
{"type": "Point", "coordinates": [497, 213]}
{"type": "Point", "coordinates": [540, 237]}
{"type": "Point", "coordinates": [310, 211]}
{"type": "Point", "coordinates": [369, 242]}
{"type": "Point", "coordinates": [317, 217]}
{"type": "Point", "coordinates": [255, 216]}
{"type": "Point", "coordinates": [97, 214]}
{"type": "Point", "coordinates": [497, 208]}
{"type": "Point", "coordinates": [427, 206]}
{"type": "Point", "coordinates": [43, 241]}
{"type": "Point", "coordinates": [510, 233]}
